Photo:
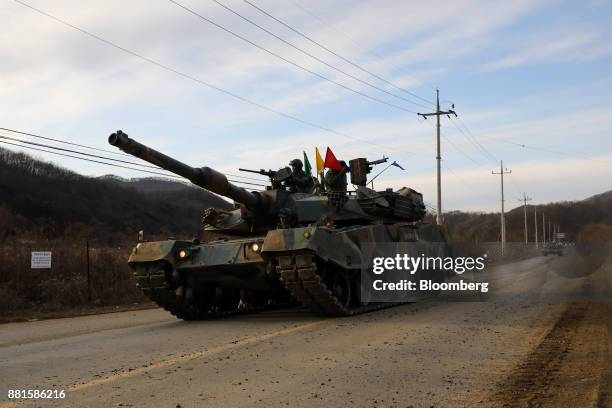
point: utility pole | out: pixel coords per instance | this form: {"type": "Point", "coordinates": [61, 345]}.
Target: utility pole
{"type": "Point", "coordinates": [502, 171]}
{"type": "Point", "coordinates": [437, 114]}
{"type": "Point", "coordinates": [524, 200]}
{"type": "Point", "coordinates": [543, 229]}
{"type": "Point", "coordinates": [88, 273]}
{"type": "Point", "coordinates": [550, 237]}
{"type": "Point", "coordinates": [535, 224]}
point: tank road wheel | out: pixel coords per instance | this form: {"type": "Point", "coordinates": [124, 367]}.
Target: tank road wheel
{"type": "Point", "coordinates": [190, 298]}
{"type": "Point", "coordinates": [341, 288]}
{"type": "Point", "coordinates": [359, 287]}
{"type": "Point", "coordinates": [227, 299]}
{"type": "Point", "coordinates": [193, 302]}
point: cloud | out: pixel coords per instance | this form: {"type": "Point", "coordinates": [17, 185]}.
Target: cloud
{"type": "Point", "coordinates": [567, 48]}
{"type": "Point", "coordinates": [577, 132]}
{"type": "Point", "coordinates": [58, 82]}
{"type": "Point", "coordinates": [545, 181]}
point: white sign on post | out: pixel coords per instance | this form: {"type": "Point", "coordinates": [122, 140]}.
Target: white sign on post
{"type": "Point", "coordinates": [41, 260]}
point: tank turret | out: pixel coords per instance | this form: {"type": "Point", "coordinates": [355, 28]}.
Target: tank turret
{"type": "Point", "coordinates": [204, 177]}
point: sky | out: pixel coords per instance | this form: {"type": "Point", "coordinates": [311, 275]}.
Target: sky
{"type": "Point", "coordinates": [536, 73]}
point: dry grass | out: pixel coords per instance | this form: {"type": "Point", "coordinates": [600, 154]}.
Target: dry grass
{"type": "Point", "coordinates": [65, 285]}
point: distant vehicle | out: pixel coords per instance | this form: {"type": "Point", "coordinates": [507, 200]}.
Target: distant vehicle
{"type": "Point", "coordinates": [553, 248]}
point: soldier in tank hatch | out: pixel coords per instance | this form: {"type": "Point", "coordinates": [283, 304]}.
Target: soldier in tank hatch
{"type": "Point", "coordinates": [335, 181]}
{"type": "Point", "coordinates": [300, 182]}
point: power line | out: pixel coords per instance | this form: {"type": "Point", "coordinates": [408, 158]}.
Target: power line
{"type": "Point", "coordinates": [326, 49]}
{"type": "Point", "coordinates": [546, 150]}
{"type": "Point", "coordinates": [204, 83]}
{"type": "Point", "coordinates": [515, 186]}
{"type": "Point", "coordinates": [462, 152]}
{"type": "Point", "coordinates": [429, 206]}
{"type": "Point", "coordinates": [89, 160]}
{"type": "Point", "coordinates": [313, 56]}
{"type": "Point", "coordinates": [445, 166]}
{"type": "Point", "coordinates": [465, 183]}
{"type": "Point", "coordinates": [102, 150]}
{"type": "Point", "coordinates": [475, 140]}
{"type": "Point", "coordinates": [537, 148]}
{"type": "Point", "coordinates": [450, 170]}
{"type": "Point", "coordinates": [454, 146]}
{"type": "Point", "coordinates": [101, 157]}
{"type": "Point", "coordinates": [62, 141]}
{"type": "Point", "coordinates": [467, 134]}
{"type": "Point", "coordinates": [380, 57]}
{"type": "Point", "coordinates": [14, 139]}
{"type": "Point", "coordinates": [486, 153]}
{"type": "Point", "coordinates": [245, 177]}
{"type": "Point", "coordinates": [303, 68]}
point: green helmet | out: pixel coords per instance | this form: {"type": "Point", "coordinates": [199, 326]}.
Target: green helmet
{"type": "Point", "coordinates": [296, 163]}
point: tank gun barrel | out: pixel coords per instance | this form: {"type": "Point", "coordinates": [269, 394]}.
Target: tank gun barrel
{"type": "Point", "coordinates": [204, 177]}
{"type": "Point", "coordinates": [263, 172]}
{"type": "Point", "coordinates": [379, 161]}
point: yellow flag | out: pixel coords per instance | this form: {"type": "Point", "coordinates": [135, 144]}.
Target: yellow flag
{"type": "Point", "coordinates": [320, 162]}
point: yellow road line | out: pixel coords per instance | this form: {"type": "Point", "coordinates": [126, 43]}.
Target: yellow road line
{"type": "Point", "coordinates": [66, 335]}
{"type": "Point", "coordinates": [180, 359]}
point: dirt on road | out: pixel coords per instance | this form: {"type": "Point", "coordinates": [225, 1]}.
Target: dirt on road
{"type": "Point", "coordinates": [526, 346]}
{"type": "Point", "coordinates": [571, 365]}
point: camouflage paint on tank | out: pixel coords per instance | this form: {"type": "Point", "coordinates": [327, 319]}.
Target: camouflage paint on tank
{"type": "Point", "coordinates": [204, 255]}
{"type": "Point", "coordinates": [340, 246]}
{"type": "Point", "coordinates": [153, 251]}
{"type": "Point", "coordinates": [298, 235]}
{"type": "Point", "coordinates": [235, 252]}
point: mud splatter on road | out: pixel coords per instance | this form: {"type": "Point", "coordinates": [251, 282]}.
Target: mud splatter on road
{"type": "Point", "coordinates": [569, 367]}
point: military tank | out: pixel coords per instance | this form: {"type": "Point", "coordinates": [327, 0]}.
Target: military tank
{"type": "Point", "coordinates": [276, 246]}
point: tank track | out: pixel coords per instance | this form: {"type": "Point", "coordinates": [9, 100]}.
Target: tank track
{"type": "Point", "coordinates": [153, 283]}
{"type": "Point", "coordinates": [299, 274]}
{"type": "Point", "coordinates": [297, 271]}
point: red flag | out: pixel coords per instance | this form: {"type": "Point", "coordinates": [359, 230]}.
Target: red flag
{"type": "Point", "coordinates": [331, 162]}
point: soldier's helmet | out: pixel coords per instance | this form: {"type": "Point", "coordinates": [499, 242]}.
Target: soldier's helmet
{"type": "Point", "coordinates": [296, 164]}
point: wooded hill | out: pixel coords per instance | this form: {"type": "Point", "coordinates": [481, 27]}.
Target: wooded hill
{"type": "Point", "coordinates": [40, 200]}
{"type": "Point", "coordinates": [572, 217]}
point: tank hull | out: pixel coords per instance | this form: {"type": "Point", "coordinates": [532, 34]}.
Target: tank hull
{"type": "Point", "coordinates": [318, 267]}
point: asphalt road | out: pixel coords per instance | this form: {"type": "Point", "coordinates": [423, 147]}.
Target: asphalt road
{"type": "Point", "coordinates": [541, 339]}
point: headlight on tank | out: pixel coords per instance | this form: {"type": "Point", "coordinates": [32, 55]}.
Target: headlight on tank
{"type": "Point", "coordinates": [255, 247]}
{"type": "Point", "coordinates": [183, 253]}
